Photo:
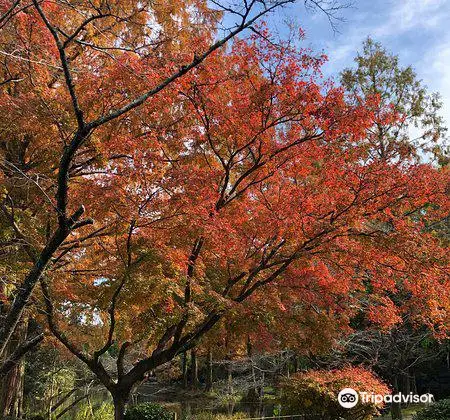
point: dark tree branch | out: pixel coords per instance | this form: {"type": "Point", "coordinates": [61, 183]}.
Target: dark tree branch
{"type": "Point", "coordinates": [185, 69]}
{"type": "Point", "coordinates": [20, 351]}
{"type": "Point", "coordinates": [65, 65]}
{"type": "Point", "coordinates": [112, 308]}
{"type": "Point", "coordinates": [26, 288]}
{"type": "Point", "coordinates": [66, 224]}
{"type": "Point", "coordinates": [8, 13]}
{"type": "Point", "coordinates": [95, 365]}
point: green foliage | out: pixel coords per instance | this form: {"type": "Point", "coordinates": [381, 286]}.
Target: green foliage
{"type": "Point", "coordinates": [438, 411]}
{"type": "Point", "coordinates": [379, 74]}
{"type": "Point", "coordinates": [49, 373]}
{"type": "Point", "coordinates": [27, 418]}
{"type": "Point", "coordinates": [277, 410]}
{"type": "Point", "coordinates": [86, 411]}
{"type": "Point", "coordinates": [148, 411]}
{"type": "Point", "coordinates": [203, 415]}
{"type": "Point", "coordinates": [208, 415]}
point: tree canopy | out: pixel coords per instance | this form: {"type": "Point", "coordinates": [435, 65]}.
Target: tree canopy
{"type": "Point", "coordinates": [155, 183]}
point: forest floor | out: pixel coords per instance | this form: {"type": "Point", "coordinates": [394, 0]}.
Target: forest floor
{"type": "Point", "coordinates": [407, 413]}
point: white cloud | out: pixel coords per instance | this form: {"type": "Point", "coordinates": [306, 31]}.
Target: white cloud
{"type": "Point", "coordinates": [412, 14]}
{"type": "Point", "coordinates": [405, 26]}
{"type": "Point", "coordinates": [434, 69]}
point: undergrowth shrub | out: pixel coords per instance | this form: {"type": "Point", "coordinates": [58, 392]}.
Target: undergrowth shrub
{"type": "Point", "coordinates": [315, 393]}
{"type": "Point", "coordinates": [439, 410]}
{"type": "Point", "coordinates": [148, 411]}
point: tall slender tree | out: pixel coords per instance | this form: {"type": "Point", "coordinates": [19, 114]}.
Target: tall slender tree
{"type": "Point", "coordinates": [408, 122]}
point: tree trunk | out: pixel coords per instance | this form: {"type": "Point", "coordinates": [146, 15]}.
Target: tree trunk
{"type": "Point", "coordinates": [296, 363]}
{"type": "Point", "coordinates": [21, 387]}
{"type": "Point", "coordinates": [230, 378]}
{"type": "Point", "coordinates": [414, 384]}
{"type": "Point", "coordinates": [120, 404]}
{"type": "Point", "coordinates": [396, 407]}
{"type": "Point", "coordinates": [194, 370]}
{"type": "Point", "coordinates": [185, 370]}
{"type": "Point", "coordinates": [11, 385]}
{"type": "Point", "coordinates": [396, 411]}
{"type": "Point", "coordinates": [11, 392]}
{"type": "Point", "coordinates": [407, 383]}
{"type": "Point", "coordinates": [209, 373]}
{"type": "Point", "coordinates": [249, 347]}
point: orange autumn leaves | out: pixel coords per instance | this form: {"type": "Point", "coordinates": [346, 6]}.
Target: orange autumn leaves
{"type": "Point", "coordinates": [261, 164]}
{"type": "Point", "coordinates": [253, 152]}
{"type": "Point", "coordinates": [319, 389]}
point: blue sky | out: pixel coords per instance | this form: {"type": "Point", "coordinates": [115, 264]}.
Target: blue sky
{"type": "Point", "coordinates": [417, 30]}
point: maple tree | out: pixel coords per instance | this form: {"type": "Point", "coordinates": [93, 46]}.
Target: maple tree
{"type": "Point", "coordinates": [216, 181]}
{"type": "Point", "coordinates": [210, 226]}
{"type": "Point", "coordinates": [43, 91]}
{"type": "Point", "coordinates": [46, 69]}
{"type": "Point", "coordinates": [42, 64]}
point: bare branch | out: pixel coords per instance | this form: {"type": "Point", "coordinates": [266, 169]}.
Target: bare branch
{"type": "Point", "coordinates": [20, 351]}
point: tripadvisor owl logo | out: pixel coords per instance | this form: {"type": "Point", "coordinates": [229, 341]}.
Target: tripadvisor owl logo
{"type": "Point", "coordinates": [348, 398]}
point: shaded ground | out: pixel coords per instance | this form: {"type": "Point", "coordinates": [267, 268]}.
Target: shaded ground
{"type": "Point", "coordinates": [189, 402]}
{"type": "Point", "coordinates": [407, 413]}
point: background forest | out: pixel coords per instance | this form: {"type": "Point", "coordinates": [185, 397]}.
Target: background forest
{"type": "Point", "coordinates": [196, 222]}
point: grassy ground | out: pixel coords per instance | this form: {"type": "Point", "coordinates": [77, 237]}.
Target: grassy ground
{"type": "Point", "coordinates": [406, 412]}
